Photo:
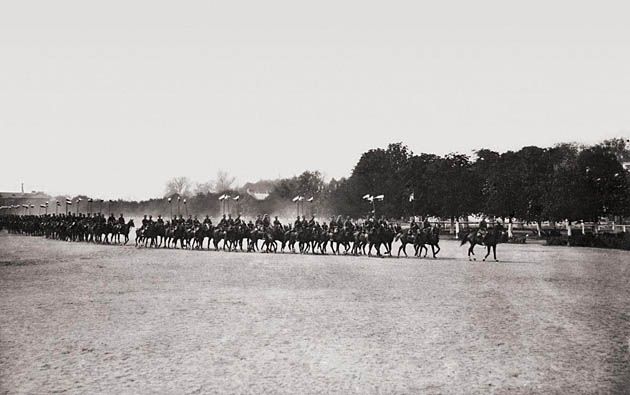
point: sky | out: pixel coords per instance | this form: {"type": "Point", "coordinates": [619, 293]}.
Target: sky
{"type": "Point", "coordinates": [112, 98]}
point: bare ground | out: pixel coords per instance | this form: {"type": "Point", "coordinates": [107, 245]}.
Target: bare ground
{"type": "Point", "coordinates": [84, 318]}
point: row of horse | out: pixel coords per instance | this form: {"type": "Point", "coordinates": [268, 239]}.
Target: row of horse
{"type": "Point", "coordinates": [277, 238]}
{"type": "Point", "coordinates": [282, 238]}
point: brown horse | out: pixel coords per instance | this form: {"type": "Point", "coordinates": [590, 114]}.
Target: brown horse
{"type": "Point", "coordinates": [490, 240]}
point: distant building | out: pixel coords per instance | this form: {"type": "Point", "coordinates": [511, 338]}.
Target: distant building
{"type": "Point", "coordinates": [23, 198]}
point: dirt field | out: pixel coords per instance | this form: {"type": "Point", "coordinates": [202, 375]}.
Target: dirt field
{"type": "Point", "coordinates": [84, 318]}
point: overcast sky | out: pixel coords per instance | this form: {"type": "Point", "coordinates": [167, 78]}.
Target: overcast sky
{"type": "Point", "coordinates": [112, 98]}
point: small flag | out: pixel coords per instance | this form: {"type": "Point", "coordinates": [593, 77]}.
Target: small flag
{"type": "Point", "coordinates": [295, 199]}
{"type": "Point", "coordinates": [90, 200]}
{"type": "Point", "coordinates": [379, 197]}
{"type": "Point", "coordinates": [236, 197]}
{"type": "Point", "coordinates": [42, 206]}
{"type": "Point", "coordinates": [222, 197]}
{"type": "Point", "coordinates": [69, 202]}
{"type": "Point", "coordinates": [32, 206]}
{"type": "Point", "coordinates": [310, 199]}
{"type": "Point", "coordinates": [25, 205]}
{"type": "Point", "coordinates": [79, 199]}
{"type": "Point", "coordinates": [169, 200]}
{"type": "Point", "coordinates": [411, 197]}
{"type": "Point", "coordinates": [366, 196]}
{"type": "Point", "coordinates": [184, 201]}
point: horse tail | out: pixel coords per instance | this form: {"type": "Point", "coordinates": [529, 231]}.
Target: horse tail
{"type": "Point", "coordinates": [464, 240]}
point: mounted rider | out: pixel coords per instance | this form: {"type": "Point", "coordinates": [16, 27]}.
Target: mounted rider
{"type": "Point", "coordinates": [297, 225]}
{"type": "Point", "coordinates": [276, 222]}
{"type": "Point", "coordinates": [111, 220]}
{"type": "Point", "coordinates": [413, 226]}
{"type": "Point", "coordinates": [207, 220]}
{"type": "Point", "coordinates": [349, 225]}
{"type": "Point", "coordinates": [266, 222]}
{"type": "Point", "coordinates": [121, 220]}
{"type": "Point", "coordinates": [160, 221]}
{"type": "Point", "coordinates": [483, 228]}
{"type": "Point", "coordinates": [223, 223]}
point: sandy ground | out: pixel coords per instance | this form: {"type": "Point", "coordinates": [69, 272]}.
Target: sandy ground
{"type": "Point", "coordinates": [84, 318]}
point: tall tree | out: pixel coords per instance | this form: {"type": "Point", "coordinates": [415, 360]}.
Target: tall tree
{"type": "Point", "coordinates": [179, 186]}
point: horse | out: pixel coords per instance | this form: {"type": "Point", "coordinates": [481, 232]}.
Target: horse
{"type": "Point", "coordinates": [124, 231]}
{"type": "Point", "coordinates": [490, 240]}
{"type": "Point", "coordinates": [360, 240]}
{"type": "Point", "coordinates": [406, 237]}
{"type": "Point", "coordinates": [430, 236]}
{"type": "Point", "coordinates": [375, 239]}
{"type": "Point", "coordinates": [341, 237]}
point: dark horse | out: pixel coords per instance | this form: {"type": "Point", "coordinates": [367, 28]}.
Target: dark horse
{"type": "Point", "coordinates": [123, 230]}
{"type": "Point", "coordinates": [493, 237]}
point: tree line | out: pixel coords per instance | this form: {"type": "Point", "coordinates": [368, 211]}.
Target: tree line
{"type": "Point", "coordinates": [566, 181]}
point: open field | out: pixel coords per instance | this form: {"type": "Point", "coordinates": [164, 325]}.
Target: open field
{"type": "Point", "coordinates": [84, 318]}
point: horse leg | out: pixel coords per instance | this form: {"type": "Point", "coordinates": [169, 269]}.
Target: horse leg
{"type": "Point", "coordinates": [488, 247]}
{"type": "Point", "coordinates": [494, 250]}
{"type": "Point", "coordinates": [471, 251]}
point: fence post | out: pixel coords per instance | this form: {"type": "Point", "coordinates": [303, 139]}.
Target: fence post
{"type": "Point", "coordinates": [457, 229]}
{"type": "Point", "coordinates": [510, 234]}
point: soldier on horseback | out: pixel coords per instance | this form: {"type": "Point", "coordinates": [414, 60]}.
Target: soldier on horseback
{"type": "Point", "coordinates": [223, 223]}
{"type": "Point", "coordinates": [111, 220]}
{"type": "Point", "coordinates": [207, 220]}
{"type": "Point", "coordinates": [266, 222]}
{"type": "Point", "coordinates": [121, 220]}
{"type": "Point", "coordinates": [160, 221]}
{"type": "Point", "coordinates": [483, 228]}
{"type": "Point", "coordinates": [349, 225]}
{"type": "Point", "coordinates": [297, 224]}
{"type": "Point", "coordinates": [413, 226]}
{"type": "Point", "coordinates": [277, 223]}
